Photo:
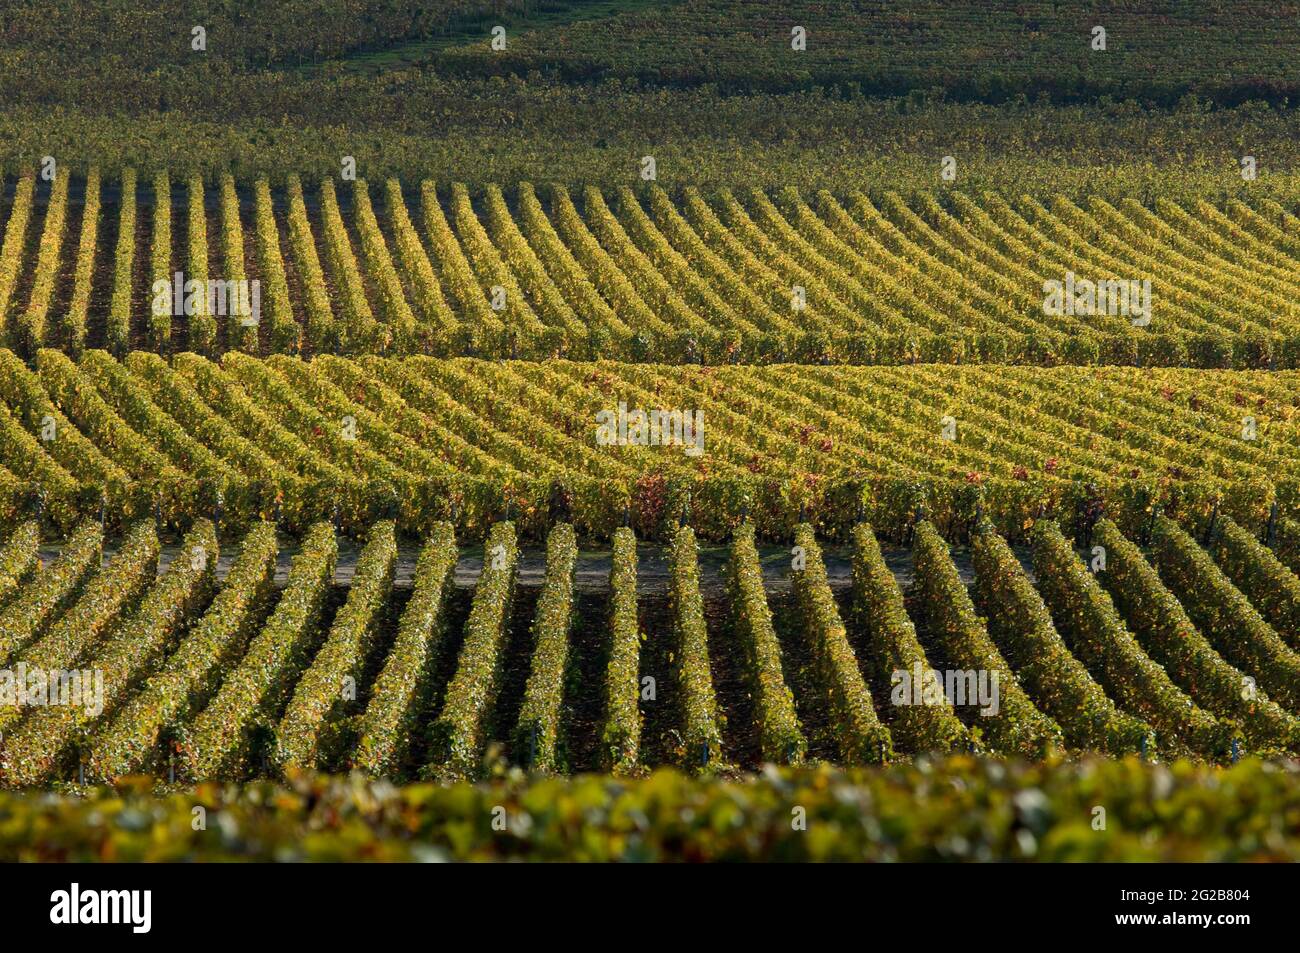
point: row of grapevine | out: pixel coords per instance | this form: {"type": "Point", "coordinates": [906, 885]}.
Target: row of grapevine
{"type": "Point", "coordinates": [19, 559]}
{"type": "Point", "coordinates": [621, 733]}
{"type": "Point", "coordinates": [1099, 638]}
{"type": "Point", "coordinates": [13, 250]}
{"type": "Point", "coordinates": [887, 646]}
{"type": "Point", "coordinates": [538, 729]}
{"type": "Point", "coordinates": [1164, 630]}
{"type": "Point", "coordinates": [780, 738]}
{"type": "Point", "coordinates": [701, 736]}
{"type": "Point", "coordinates": [160, 262]}
{"type": "Point", "coordinates": [72, 334]}
{"type": "Point", "coordinates": [859, 734]}
{"type": "Point", "coordinates": [312, 732]}
{"type": "Point", "coordinates": [29, 331]}
{"type": "Point", "coordinates": [401, 691]}
{"type": "Point", "coordinates": [227, 735]}
{"type": "Point", "coordinates": [424, 439]}
{"type": "Point", "coordinates": [1014, 725]}
{"type": "Point", "coordinates": [132, 741]}
{"type": "Point", "coordinates": [35, 751]}
{"type": "Point", "coordinates": [457, 736]}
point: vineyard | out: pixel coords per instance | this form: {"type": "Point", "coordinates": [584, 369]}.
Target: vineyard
{"type": "Point", "coordinates": [646, 275]}
{"type": "Point", "coordinates": [632, 429]}
{"type": "Point", "coordinates": [1187, 648]}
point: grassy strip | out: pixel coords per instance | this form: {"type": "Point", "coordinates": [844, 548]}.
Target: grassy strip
{"type": "Point", "coordinates": [701, 739]}
{"type": "Point", "coordinates": [312, 731]}
{"type": "Point", "coordinates": [861, 738]}
{"type": "Point", "coordinates": [221, 741]}
{"type": "Point", "coordinates": [1058, 682]}
{"type": "Point", "coordinates": [1017, 727]}
{"type": "Point", "coordinates": [401, 690]}
{"type": "Point", "coordinates": [621, 735]}
{"type": "Point", "coordinates": [890, 644]}
{"type": "Point", "coordinates": [780, 739]}
{"type": "Point", "coordinates": [38, 749]}
{"type": "Point", "coordinates": [1224, 615]}
{"type": "Point", "coordinates": [1169, 637]}
{"type": "Point", "coordinates": [131, 742]}
{"type": "Point", "coordinates": [537, 732]}
{"type": "Point", "coordinates": [457, 736]}
{"type": "Point", "coordinates": [1097, 635]}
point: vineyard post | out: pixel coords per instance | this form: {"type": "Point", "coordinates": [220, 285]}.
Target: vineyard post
{"type": "Point", "coordinates": [1270, 536]}
{"type": "Point", "coordinates": [1209, 527]}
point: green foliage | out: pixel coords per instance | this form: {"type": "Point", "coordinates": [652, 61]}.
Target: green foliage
{"type": "Point", "coordinates": [401, 691]}
{"type": "Point", "coordinates": [231, 731]}
{"type": "Point", "coordinates": [954, 809]}
{"type": "Point", "coordinates": [621, 732]}
{"type": "Point", "coordinates": [1058, 683]}
{"type": "Point", "coordinates": [536, 741]}
{"type": "Point", "coordinates": [132, 741]}
{"type": "Point", "coordinates": [1224, 615]}
{"type": "Point", "coordinates": [780, 739]}
{"type": "Point", "coordinates": [1097, 636]}
{"type": "Point", "coordinates": [950, 621]}
{"type": "Point", "coordinates": [458, 736]}
{"type": "Point", "coordinates": [310, 734]}
{"type": "Point", "coordinates": [860, 736]}
{"type": "Point", "coordinates": [701, 738]}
